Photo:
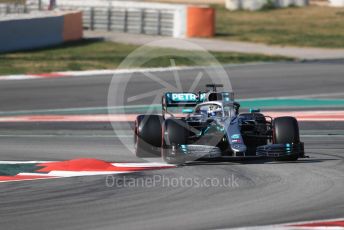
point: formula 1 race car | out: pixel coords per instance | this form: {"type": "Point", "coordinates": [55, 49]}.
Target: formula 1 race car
{"type": "Point", "coordinates": [214, 128]}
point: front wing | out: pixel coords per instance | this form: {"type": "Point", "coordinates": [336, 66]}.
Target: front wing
{"type": "Point", "coordinates": [281, 150]}
{"type": "Point", "coordinates": [192, 152]}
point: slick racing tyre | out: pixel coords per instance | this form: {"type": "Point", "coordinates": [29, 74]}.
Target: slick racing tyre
{"type": "Point", "coordinates": [147, 137]}
{"type": "Point", "coordinates": [286, 130]}
{"type": "Point", "coordinates": [175, 134]}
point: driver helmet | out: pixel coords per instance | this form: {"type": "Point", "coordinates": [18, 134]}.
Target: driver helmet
{"type": "Point", "coordinates": [214, 111]}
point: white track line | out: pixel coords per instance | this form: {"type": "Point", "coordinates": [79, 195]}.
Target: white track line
{"type": "Point", "coordinates": [290, 226]}
{"type": "Point", "coordinates": [18, 77]}
{"type": "Point", "coordinates": [58, 173]}
{"type": "Point", "coordinates": [134, 165]}
{"type": "Point", "coordinates": [47, 178]}
{"type": "Point", "coordinates": [91, 73]}
{"type": "Point", "coordinates": [148, 165]}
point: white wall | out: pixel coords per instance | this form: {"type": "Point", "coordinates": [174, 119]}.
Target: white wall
{"type": "Point", "coordinates": [258, 4]}
{"type": "Point", "coordinates": [337, 3]}
{"type": "Point", "coordinates": [179, 10]}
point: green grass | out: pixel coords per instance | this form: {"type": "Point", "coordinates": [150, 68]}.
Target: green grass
{"type": "Point", "coordinates": [13, 1]}
{"type": "Point", "coordinates": [309, 26]}
{"type": "Point", "coordinates": [90, 54]}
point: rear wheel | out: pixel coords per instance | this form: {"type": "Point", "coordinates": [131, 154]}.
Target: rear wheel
{"type": "Point", "coordinates": [286, 131]}
{"type": "Point", "coordinates": [175, 134]}
{"type": "Point", "coordinates": [148, 136]}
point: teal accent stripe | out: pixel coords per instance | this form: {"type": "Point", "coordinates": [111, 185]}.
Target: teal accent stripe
{"type": "Point", "coordinates": [285, 102]}
{"type": "Point", "coordinates": [156, 108]}
{"type": "Point", "coordinates": [14, 169]}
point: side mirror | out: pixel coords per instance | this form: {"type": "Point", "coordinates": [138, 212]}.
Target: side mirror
{"type": "Point", "coordinates": [236, 107]}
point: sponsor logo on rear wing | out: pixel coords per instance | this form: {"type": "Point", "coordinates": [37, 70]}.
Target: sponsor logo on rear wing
{"type": "Point", "coordinates": [183, 99]}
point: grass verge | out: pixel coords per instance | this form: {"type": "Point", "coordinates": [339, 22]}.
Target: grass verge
{"type": "Point", "coordinates": [308, 26]}
{"type": "Point", "coordinates": [13, 1]}
{"type": "Point", "coordinates": [89, 54]}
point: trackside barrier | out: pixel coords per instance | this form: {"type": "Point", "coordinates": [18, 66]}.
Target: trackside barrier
{"type": "Point", "coordinates": [17, 9]}
{"type": "Point", "coordinates": [337, 3]}
{"type": "Point", "coordinates": [139, 21]}
{"type": "Point", "coordinates": [259, 4]}
{"type": "Point", "coordinates": [175, 20]}
{"type": "Point", "coordinates": [130, 17]}
{"type": "Point", "coordinates": [72, 26]}
{"type": "Point", "coordinates": [22, 32]}
{"type": "Point", "coordinates": [200, 21]}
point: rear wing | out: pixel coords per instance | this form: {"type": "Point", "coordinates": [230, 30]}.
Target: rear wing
{"type": "Point", "coordinates": [177, 101]}
{"type": "Point", "coordinates": [181, 100]}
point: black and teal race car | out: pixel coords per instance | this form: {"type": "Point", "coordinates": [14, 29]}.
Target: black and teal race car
{"type": "Point", "coordinates": [210, 126]}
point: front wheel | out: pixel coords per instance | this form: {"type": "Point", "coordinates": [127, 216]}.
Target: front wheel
{"type": "Point", "coordinates": [286, 131]}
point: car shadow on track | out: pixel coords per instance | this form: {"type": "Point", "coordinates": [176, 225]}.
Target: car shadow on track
{"type": "Point", "coordinates": [254, 161]}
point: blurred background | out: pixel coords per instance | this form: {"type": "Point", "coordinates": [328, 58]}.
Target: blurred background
{"type": "Point", "coordinates": [105, 31]}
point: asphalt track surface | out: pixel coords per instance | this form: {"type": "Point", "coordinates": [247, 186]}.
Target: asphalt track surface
{"type": "Point", "coordinates": [262, 192]}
